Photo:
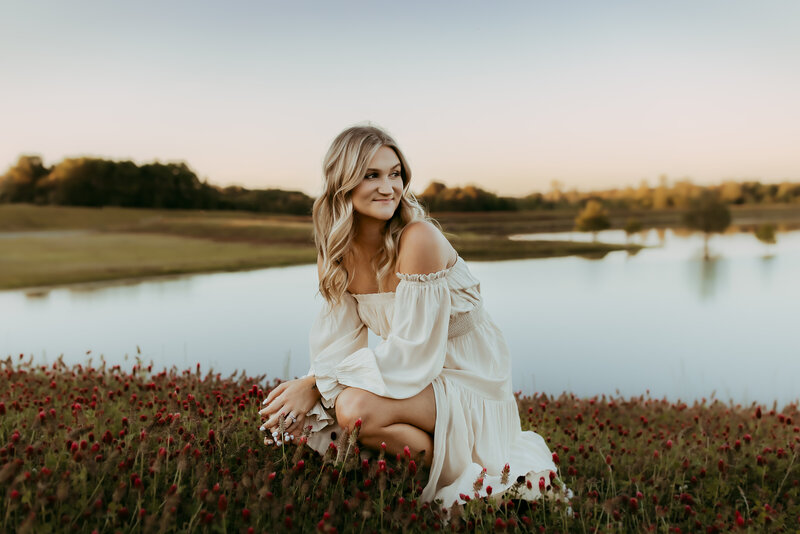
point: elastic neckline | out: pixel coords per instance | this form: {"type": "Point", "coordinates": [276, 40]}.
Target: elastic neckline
{"type": "Point", "coordinates": [444, 272]}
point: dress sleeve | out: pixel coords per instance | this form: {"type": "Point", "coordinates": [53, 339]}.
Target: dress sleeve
{"type": "Point", "coordinates": [337, 333]}
{"type": "Point", "coordinates": [413, 353]}
{"type": "Point", "coordinates": [403, 364]}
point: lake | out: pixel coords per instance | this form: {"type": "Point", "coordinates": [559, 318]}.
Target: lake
{"type": "Point", "coordinates": [662, 320]}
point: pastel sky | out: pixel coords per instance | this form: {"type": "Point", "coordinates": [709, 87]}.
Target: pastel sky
{"type": "Point", "coordinates": [506, 95]}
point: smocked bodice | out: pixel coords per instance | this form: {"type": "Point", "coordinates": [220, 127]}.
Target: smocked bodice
{"type": "Point", "coordinates": [376, 309]}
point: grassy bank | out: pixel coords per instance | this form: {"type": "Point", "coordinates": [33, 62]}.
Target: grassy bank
{"type": "Point", "coordinates": [144, 450]}
{"type": "Point", "coordinates": [42, 261]}
{"type": "Point", "coordinates": [51, 245]}
{"type": "Point", "coordinates": [785, 216]}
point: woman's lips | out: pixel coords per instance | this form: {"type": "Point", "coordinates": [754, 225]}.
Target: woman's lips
{"type": "Point", "coordinates": [382, 200]}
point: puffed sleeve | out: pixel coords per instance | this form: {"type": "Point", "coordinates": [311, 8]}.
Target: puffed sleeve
{"type": "Point", "coordinates": [337, 333]}
{"type": "Point", "coordinates": [413, 353]}
{"type": "Point", "coordinates": [410, 357]}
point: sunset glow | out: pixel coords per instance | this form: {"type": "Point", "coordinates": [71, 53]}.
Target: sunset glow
{"type": "Point", "coordinates": [510, 98]}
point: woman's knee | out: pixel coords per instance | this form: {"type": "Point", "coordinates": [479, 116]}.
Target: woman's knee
{"type": "Point", "coordinates": [352, 404]}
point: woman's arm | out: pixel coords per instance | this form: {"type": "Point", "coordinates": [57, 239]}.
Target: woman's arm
{"type": "Point", "coordinates": [336, 333]}
{"type": "Point", "coordinates": [413, 353]}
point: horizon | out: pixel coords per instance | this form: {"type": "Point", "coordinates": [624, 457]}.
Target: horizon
{"type": "Point", "coordinates": [563, 188]}
{"type": "Point", "coordinates": [507, 99]}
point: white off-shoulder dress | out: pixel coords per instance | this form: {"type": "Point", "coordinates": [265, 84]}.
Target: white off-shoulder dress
{"type": "Point", "coordinates": [435, 331]}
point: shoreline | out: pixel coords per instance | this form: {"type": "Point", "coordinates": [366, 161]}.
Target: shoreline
{"type": "Point", "coordinates": [92, 283]}
{"type": "Point", "coordinates": [47, 247]}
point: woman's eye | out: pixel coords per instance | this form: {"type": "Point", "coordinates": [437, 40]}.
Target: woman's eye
{"type": "Point", "coordinates": [375, 175]}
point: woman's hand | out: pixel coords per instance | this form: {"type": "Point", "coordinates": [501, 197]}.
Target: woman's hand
{"type": "Point", "coordinates": [290, 400]}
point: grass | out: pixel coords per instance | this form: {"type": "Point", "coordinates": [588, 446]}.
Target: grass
{"type": "Point", "coordinates": [87, 448]}
{"type": "Point", "coordinates": [562, 220]}
{"type": "Point", "coordinates": [25, 217]}
{"type": "Point", "coordinates": [479, 247]}
{"type": "Point", "coordinates": [97, 244]}
{"type": "Point", "coordinates": [40, 261]}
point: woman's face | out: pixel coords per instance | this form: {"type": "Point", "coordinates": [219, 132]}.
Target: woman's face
{"type": "Point", "coordinates": [378, 194]}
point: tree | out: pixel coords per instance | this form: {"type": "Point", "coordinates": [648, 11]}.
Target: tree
{"type": "Point", "coordinates": [593, 218]}
{"type": "Point", "coordinates": [438, 197]}
{"type": "Point", "coordinates": [766, 234]}
{"type": "Point", "coordinates": [787, 192]}
{"type": "Point", "coordinates": [643, 196]}
{"type": "Point", "coordinates": [684, 192]}
{"type": "Point", "coordinates": [632, 226]}
{"type": "Point", "coordinates": [20, 183]}
{"type": "Point", "coordinates": [433, 189]}
{"type": "Point", "coordinates": [554, 195]}
{"type": "Point", "coordinates": [731, 192]}
{"type": "Point", "coordinates": [660, 198]}
{"type": "Point", "coordinates": [708, 214]}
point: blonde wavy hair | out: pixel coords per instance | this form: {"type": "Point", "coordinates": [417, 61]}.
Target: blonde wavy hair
{"type": "Point", "coordinates": [344, 167]}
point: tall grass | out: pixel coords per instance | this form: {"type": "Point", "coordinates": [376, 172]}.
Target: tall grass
{"type": "Point", "coordinates": [98, 448]}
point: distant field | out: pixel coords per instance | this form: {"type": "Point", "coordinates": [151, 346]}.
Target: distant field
{"type": "Point", "coordinates": [52, 245]}
{"type": "Point", "coordinates": [24, 217]}
{"type": "Point", "coordinates": [521, 222]}
{"type": "Point", "coordinates": [40, 261]}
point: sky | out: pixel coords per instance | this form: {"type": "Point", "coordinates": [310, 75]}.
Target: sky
{"type": "Point", "coordinates": [509, 96]}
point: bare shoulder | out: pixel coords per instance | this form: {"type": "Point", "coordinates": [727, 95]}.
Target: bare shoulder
{"type": "Point", "coordinates": [423, 249]}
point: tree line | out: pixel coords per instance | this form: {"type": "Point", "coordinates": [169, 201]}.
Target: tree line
{"type": "Point", "coordinates": [680, 195]}
{"type": "Point", "coordinates": [99, 182]}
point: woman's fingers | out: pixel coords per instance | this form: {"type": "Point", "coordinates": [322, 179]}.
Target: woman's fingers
{"type": "Point", "coordinates": [271, 436]}
{"type": "Point", "coordinates": [274, 393]}
{"type": "Point", "coordinates": [297, 426]}
{"type": "Point", "coordinates": [280, 410]}
{"type": "Point", "coordinates": [270, 407]}
{"type": "Point", "coordinates": [274, 420]}
{"type": "Point", "coordinates": [291, 430]}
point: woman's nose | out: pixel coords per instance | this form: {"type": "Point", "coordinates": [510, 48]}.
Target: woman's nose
{"type": "Point", "coordinates": [385, 186]}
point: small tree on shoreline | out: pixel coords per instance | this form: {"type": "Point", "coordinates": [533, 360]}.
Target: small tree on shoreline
{"type": "Point", "coordinates": [766, 234]}
{"type": "Point", "coordinates": [632, 226]}
{"type": "Point", "coordinates": [593, 218]}
{"type": "Point", "coordinates": [708, 215]}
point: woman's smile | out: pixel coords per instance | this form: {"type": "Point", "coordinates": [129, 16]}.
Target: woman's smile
{"type": "Point", "coordinates": [383, 177]}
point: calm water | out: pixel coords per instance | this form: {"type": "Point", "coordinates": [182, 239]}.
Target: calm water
{"type": "Point", "coordinates": [662, 320]}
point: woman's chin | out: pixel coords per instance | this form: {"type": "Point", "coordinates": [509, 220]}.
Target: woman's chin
{"type": "Point", "coordinates": [381, 215]}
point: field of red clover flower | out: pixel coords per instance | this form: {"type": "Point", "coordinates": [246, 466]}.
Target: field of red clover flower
{"type": "Point", "coordinates": [103, 449]}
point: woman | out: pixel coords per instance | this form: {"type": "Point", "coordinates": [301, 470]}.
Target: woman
{"type": "Point", "coordinates": [440, 381]}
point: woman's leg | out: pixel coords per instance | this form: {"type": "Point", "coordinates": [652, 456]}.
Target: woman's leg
{"type": "Point", "coordinates": [398, 436]}
{"type": "Point", "coordinates": [397, 422]}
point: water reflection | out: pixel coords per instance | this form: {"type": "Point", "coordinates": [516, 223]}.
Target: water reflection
{"type": "Point", "coordinates": [708, 278]}
{"type": "Point", "coordinates": [661, 320]}
{"type": "Point", "coordinates": [633, 252]}
{"type": "Point", "coordinates": [662, 233]}
{"type": "Point", "coordinates": [767, 266]}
